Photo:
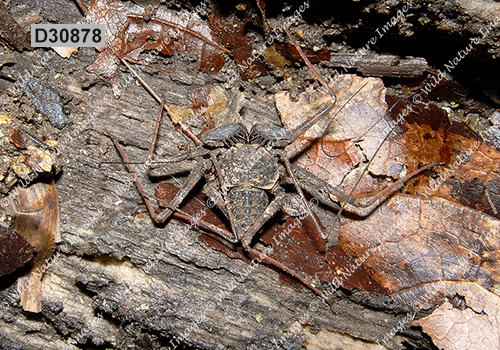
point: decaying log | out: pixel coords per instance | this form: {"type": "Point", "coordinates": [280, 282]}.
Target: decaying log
{"type": "Point", "coordinates": [119, 282]}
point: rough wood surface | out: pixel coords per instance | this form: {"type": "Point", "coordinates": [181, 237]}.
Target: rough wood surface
{"type": "Point", "coordinates": [118, 280]}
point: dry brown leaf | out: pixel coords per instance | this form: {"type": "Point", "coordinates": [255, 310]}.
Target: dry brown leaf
{"type": "Point", "coordinates": [471, 175]}
{"type": "Point", "coordinates": [409, 248]}
{"type": "Point", "coordinates": [65, 52]}
{"type": "Point", "coordinates": [207, 104]}
{"type": "Point", "coordinates": [475, 182]}
{"type": "Point", "coordinates": [408, 242]}
{"type": "Point", "coordinates": [36, 217]}
{"type": "Point", "coordinates": [216, 102]}
{"type": "Point", "coordinates": [361, 118]}
{"type": "Point", "coordinates": [477, 327]}
{"type": "Point", "coordinates": [411, 242]}
{"type": "Point", "coordinates": [230, 32]}
{"type": "Point", "coordinates": [127, 35]}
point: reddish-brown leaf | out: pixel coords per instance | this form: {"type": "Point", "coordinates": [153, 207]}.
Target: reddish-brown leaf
{"type": "Point", "coordinates": [289, 51]}
{"type": "Point", "coordinates": [412, 241]}
{"type": "Point", "coordinates": [471, 175]}
{"type": "Point", "coordinates": [231, 33]}
{"type": "Point", "coordinates": [15, 251]}
{"type": "Point", "coordinates": [128, 35]}
{"type": "Point", "coordinates": [293, 233]}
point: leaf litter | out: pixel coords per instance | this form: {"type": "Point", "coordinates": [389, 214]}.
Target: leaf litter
{"type": "Point", "coordinates": [128, 35]}
{"type": "Point", "coordinates": [410, 242]}
{"type": "Point", "coordinates": [410, 246]}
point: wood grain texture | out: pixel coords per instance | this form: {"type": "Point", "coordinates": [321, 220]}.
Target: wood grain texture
{"type": "Point", "coordinates": [119, 282]}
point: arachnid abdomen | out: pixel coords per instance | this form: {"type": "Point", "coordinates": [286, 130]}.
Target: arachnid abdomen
{"type": "Point", "coordinates": [247, 204]}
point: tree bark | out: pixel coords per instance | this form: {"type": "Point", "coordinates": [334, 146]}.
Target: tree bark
{"type": "Point", "coordinates": [117, 281]}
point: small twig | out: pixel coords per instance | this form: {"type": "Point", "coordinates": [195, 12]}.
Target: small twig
{"type": "Point", "coordinates": [157, 128]}
{"type": "Point", "coordinates": [82, 7]}
{"type": "Point", "coordinates": [151, 91]}
{"type": "Point", "coordinates": [306, 60]}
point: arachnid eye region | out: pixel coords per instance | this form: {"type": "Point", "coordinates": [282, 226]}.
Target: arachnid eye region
{"type": "Point", "coordinates": [261, 134]}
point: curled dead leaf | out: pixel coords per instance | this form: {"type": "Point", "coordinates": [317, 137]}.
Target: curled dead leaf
{"type": "Point", "coordinates": [476, 327]}
{"type": "Point", "coordinates": [36, 217]}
